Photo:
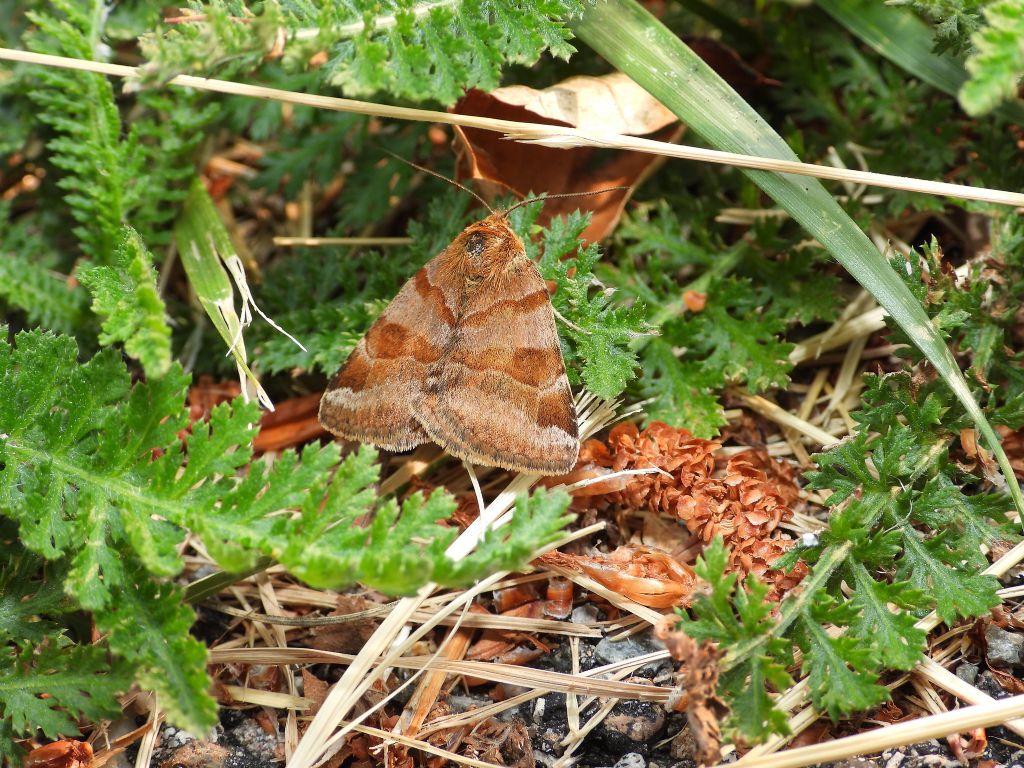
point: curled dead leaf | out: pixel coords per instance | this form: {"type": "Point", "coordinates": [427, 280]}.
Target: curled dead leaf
{"type": "Point", "coordinates": [643, 574]}
{"type": "Point", "coordinates": [609, 103]}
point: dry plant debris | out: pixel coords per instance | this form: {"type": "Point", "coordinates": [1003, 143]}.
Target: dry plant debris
{"type": "Point", "coordinates": [743, 498]}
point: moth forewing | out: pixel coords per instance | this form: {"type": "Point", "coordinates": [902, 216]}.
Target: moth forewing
{"type": "Point", "coordinates": [370, 398]}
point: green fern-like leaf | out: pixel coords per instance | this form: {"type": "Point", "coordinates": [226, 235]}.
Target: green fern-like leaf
{"type": "Point", "coordinates": [597, 343]}
{"type": "Point", "coordinates": [75, 679]}
{"type": "Point", "coordinates": [412, 50]}
{"type": "Point", "coordinates": [126, 297]}
{"type": "Point", "coordinates": [148, 625]}
{"type": "Point", "coordinates": [29, 598]}
{"type": "Point", "coordinates": [737, 337]}
{"type": "Point", "coordinates": [94, 473]}
{"type": "Point", "coordinates": [842, 671]}
{"type": "Point", "coordinates": [80, 107]}
{"type": "Point", "coordinates": [112, 176]}
{"type": "Point", "coordinates": [997, 63]}
{"type": "Point", "coordinates": [27, 282]}
{"type": "Point", "coordinates": [731, 614]}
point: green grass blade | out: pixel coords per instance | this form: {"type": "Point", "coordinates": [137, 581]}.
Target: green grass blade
{"type": "Point", "coordinates": [904, 39]}
{"type": "Point", "coordinates": [204, 246]}
{"type": "Point", "coordinates": [639, 45]}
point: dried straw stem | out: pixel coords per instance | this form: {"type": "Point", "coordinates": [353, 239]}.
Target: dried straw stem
{"type": "Point", "coordinates": [538, 133]}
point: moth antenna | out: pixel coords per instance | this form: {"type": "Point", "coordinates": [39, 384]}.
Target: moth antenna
{"type": "Point", "coordinates": [560, 194]}
{"type": "Point", "coordinates": [441, 176]}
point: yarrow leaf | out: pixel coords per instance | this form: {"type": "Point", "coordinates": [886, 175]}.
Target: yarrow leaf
{"type": "Point", "coordinates": [996, 64]}
{"type": "Point", "coordinates": [731, 614]}
{"type": "Point", "coordinates": [412, 50]}
{"type": "Point", "coordinates": [95, 474]}
{"type": "Point", "coordinates": [42, 686]}
{"type": "Point", "coordinates": [126, 297]}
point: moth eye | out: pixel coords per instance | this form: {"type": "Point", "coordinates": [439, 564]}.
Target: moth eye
{"type": "Point", "coordinates": [475, 244]}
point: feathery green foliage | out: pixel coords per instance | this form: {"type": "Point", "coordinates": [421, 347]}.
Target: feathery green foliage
{"type": "Point", "coordinates": [111, 176]}
{"type": "Point", "coordinates": [96, 477]}
{"type": "Point", "coordinates": [28, 281]}
{"type": "Point", "coordinates": [75, 678]}
{"type": "Point", "coordinates": [126, 297]}
{"type": "Point", "coordinates": [751, 298]}
{"type": "Point", "coordinates": [412, 50]}
{"type": "Point", "coordinates": [87, 145]}
{"type": "Point", "coordinates": [598, 340]}
{"type": "Point", "coordinates": [955, 21]}
{"type": "Point", "coordinates": [39, 655]}
{"type": "Point", "coordinates": [997, 62]}
{"type": "Point", "coordinates": [731, 614]}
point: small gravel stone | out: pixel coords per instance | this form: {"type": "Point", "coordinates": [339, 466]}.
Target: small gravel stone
{"type": "Point", "coordinates": [584, 614]}
{"type": "Point", "coordinates": [631, 760]}
{"type": "Point", "coordinates": [624, 650]}
{"type": "Point", "coordinates": [855, 762]}
{"type": "Point", "coordinates": [967, 672]}
{"type": "Point", "coordinates": [253, 739]}
{"type": "Point", "coordinates": [987, 683]}
{"type": "Point", "coordinates": [1004, 648]}
{"type": "Point", "coordinates": [631, 726]}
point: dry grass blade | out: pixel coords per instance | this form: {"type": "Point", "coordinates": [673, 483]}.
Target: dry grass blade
{"type": "Point", "coordinates": [561, 682]}
{"type": "Point", "coordinates": [481, 621]}
{"type": "Point", "coordinates": [372, 242]}
{"type": "Point", "coordinates": [424, 746]}
{"type": "Point", "coordinates": [784, 418]}
{"type": "Point", "coordinates": [977, 716]}
{"type": "Point", "coordinates": [542, 134]}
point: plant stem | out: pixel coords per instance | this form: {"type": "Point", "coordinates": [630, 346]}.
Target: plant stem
{"type": "Point", "coordinates": [792, 606]}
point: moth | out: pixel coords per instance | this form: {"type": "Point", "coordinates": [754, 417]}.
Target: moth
{"type": "Point", "coordinates": [467, 356]}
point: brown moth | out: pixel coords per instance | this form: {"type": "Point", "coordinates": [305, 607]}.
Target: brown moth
{"type": "Point", "coordinates": [467, 356]}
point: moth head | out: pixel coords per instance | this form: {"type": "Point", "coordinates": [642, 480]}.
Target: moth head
{"type": "Point", "coordinates": [489, 246]}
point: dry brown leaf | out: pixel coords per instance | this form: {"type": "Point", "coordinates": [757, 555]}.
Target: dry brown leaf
{"type": "Point", "coordinates": [979, 456]}
{"type": "Point", "coordinates": [293, 422]}
{"type": "Point", "coordinates": [508, 647]}
{"type": "Point", "coordinates": [1009, 682]}
{"type": "Point", "coordinates": [314, 690]}
{"type": "Point", "coordinates": [612, 103]}
{"type": "Point", "coordinates": [609, 103]}
{"type": "Point", "coordinates": [643, 574]}
{"type": "Point", "coordinates": [348, 637]}
{"type": "Point", "coordinates": [66, 753]}
{"type": "Point", "coordinates": [1013, 445]}
{"type": "Point", "coordinates": [500, 743]}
